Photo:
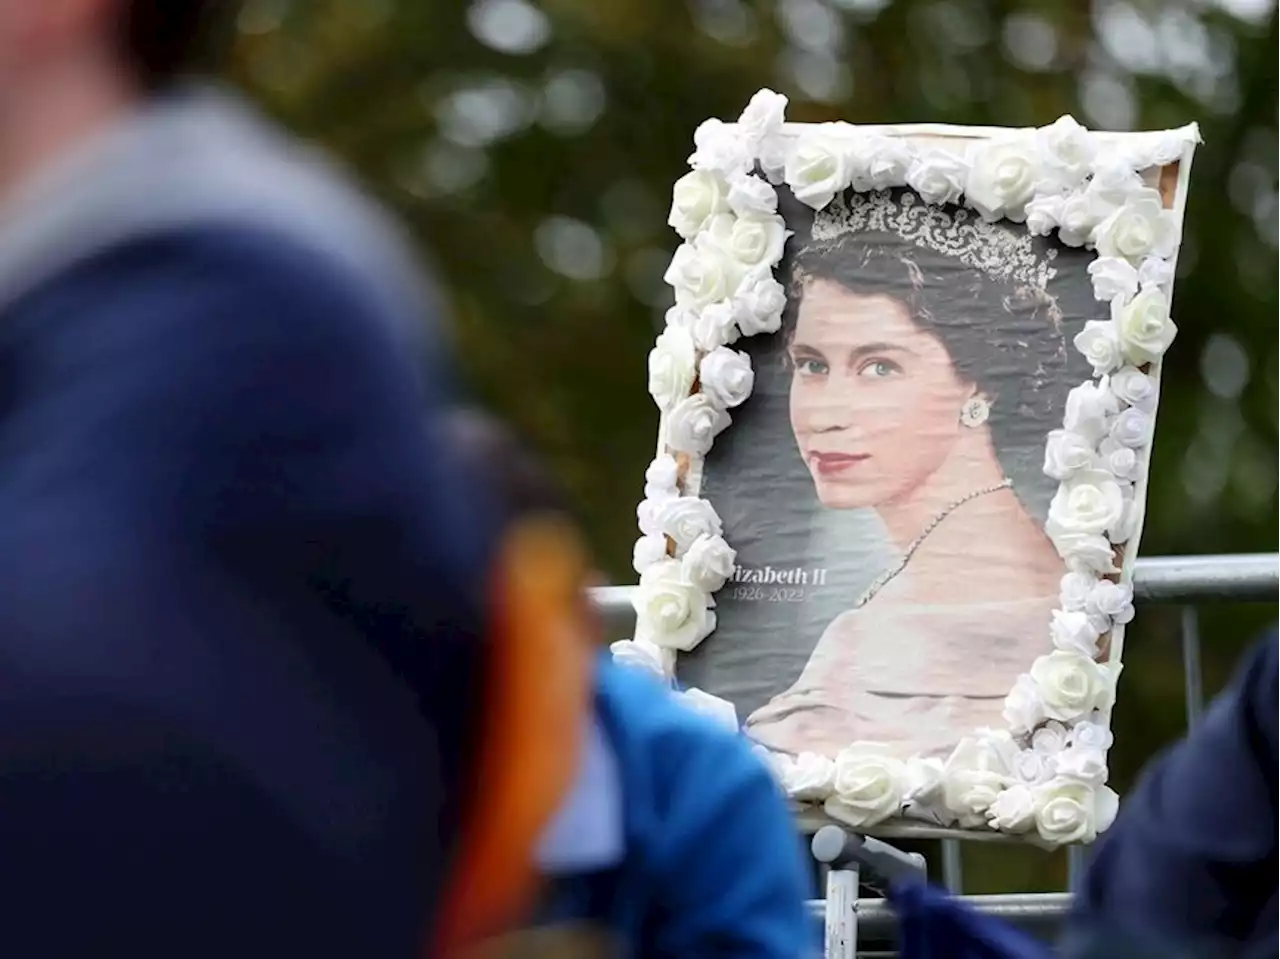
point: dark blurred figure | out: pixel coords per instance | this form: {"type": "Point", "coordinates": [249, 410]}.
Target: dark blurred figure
{"type": "Point", "coordinates": [674, 842]}
{"type": "Point", "coordinates": [253, 631]}
{"type": "Point", "coordinates": [1189, 868]}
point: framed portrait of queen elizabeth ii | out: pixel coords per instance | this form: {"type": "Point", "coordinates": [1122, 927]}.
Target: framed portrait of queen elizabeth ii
{"type": "Point", "coordinates": [908, 392]}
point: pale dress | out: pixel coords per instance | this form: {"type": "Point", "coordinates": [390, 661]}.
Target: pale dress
{"type": "Point", "coordinates": [917, 677]}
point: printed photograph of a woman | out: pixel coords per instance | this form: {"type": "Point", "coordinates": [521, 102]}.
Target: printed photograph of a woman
{"type": "Point", "coordinates": [924, 359]}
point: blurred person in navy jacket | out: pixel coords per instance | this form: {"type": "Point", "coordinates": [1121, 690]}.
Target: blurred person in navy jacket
{"type": "Point", "coordinates": [253, 629]}
{"type": "Point", "coordinates": [1189, 868]}
{"type": "Point", "coordinates": [674, 840]}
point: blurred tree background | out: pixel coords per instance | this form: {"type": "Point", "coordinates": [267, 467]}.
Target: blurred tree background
{"type": "Point", "coordinates": [531, 146]}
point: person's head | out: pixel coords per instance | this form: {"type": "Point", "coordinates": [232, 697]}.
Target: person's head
{"type": "Point", "coordinates": [539, 692]}
{"type": "Point", "coordinates": [898, 353]}
{"type": "Point", "coordinates": [65, 60]}
{"type": "Point", "coordinates": [487, 449]}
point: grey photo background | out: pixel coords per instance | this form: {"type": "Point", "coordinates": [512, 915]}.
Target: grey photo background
{"type": "Point", "coordinates": [763, 492]}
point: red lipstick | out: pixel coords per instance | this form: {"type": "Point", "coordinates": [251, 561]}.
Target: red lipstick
{"type": "Point", "coordinates": [832, 464]}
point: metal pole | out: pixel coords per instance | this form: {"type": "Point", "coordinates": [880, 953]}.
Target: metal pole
{"type": "Point", "coordinates": [953, 866]}
{"type": "Point", "coordinates": [1075, 866]}
{"type": "Point", "coordinates": [1030, 910]}
{"type": "Point", "coordinates": [1191, 665]}
{"type": "Point", "coordinates": [1250, 577]}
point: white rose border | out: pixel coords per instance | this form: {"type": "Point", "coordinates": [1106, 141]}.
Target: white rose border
{"type": "Point", "coordinates": [1044, 776]}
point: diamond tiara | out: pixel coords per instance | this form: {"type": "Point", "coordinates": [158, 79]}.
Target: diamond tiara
{"type": "Point", "coordinates": [1008, 255]}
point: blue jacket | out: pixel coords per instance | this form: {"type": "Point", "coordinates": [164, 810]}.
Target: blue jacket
{"type": "Point", "coordinates": [1189, 867]}
{"type": "Point", "coordinates": [709, 862]}
{"type": "Point", "coordinates": [240, 614]}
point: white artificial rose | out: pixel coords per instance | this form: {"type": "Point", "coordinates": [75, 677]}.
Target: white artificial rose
{"type": "Point", "coordinates": [1156, 149]}
{"type": "Point", "coordinates": [1014, 810]}
{"type": "Point", "coordinates": [670, 611]}
{"type": "Point", "coordinates": [1088, 408]}
{"type": "Point", "coordinates": [817, 169]}
{"type": "Point", "coordinates": [763, 116]}
{"type": "Point", "coordinates": [715, 325]}
{"type": "Point", "coordinates": [938, 177]}
{"type": "Point", "coordinates": [1066, 453]}
{"type": "Point", "coordinates": [1071, 684]}
{"type": "Point", "coordinates": [693, 425]}
{"type": "Point", "coordinates": [1083, 765]}
{"type": "Point", "coordinates": [647, 514]}
{"type": "Point", "coordinates": [1121, 461]}
{"type": "Point", "coordinates": [1002, 178]}
{"type": "Point", "coordinates": [1144, 326]}
{"type": "Point", "coordinates": [708, 563]}
{"type": "Point", "coordinates": [1100, 345]}
{"type": "Point", "coordinates": [867, 786]}
{"type": "Point", "coordinates": [1091, 734]}
{"type": "Point", "coordinates": [1140, 227]}
{"type": "Point", "coordinates": [663, 473]}
{"type": "Point", "coordinates": [877, 162]}
{"type": "Point", "coordinates": [648, 550]}
{"type": "Point", "coordinates": [1085, 552]}
{"type": "Point", "coordinates": [978, 770]}
{"type": "Point", "coordinates": [812, 778]}
{"type": "Point", "coordinates": [923, 783]}
{"type": "Point", "coordinates": [725, 376]}
{"type": "Point", "coordinates": [649, 508]}
{"type": "Point", "coordinates": [641, 655]}
{"type": "Point", "coordinates": [1044, 213]}
{"type": "Point", "coordinates": [1079, 216]}
{"type": "Point", "coordinates": [1134, 388]}
{"type": "Point", "coordinates": [685, 518]}
{"type": "Point", "coordinates": [1067, 151]}
{"type": "Point", "coordinates": [1034, 767]}
{"type": "Point", "coordinates": [1111, 600]}
{"type": "Point", "coordinates": [696, 198]}
{"type": "Point", "coordinates": [720, 149]}
{"type": "Point", "coordinates": [750, 241]}
{"type": "Point", "coordinates": [1106, 806]}
{"type": "Point", "coordinates": [720, 711]}
{"type": "Point", "coordinates": [1113, 278]}
{"type": "Point", "coordinates": [1074, 589]}
{"type": "Point", "coordinates": [759, 303]}
{"type": "Point", "coordinates": [1089, 502]}
{"type": "Point", "coordinates": [1065, 812]}
{"type": "Point", "coordinates": [1114, 180]}
{"type": "Point", "coordinates": [681, 316]}
{"type": "Point", "coordinates": [1131, 428]}
{"type": "Point", "coordinates": [701, 272]}
{"type": "Point", "coordinates": [672, 367]}
{"type": "Point", "coordinates": [751, 196]}
{"type": "Point", "coordinates": [1074, 631]}
{"type": "Point", "coordinates": [1155, 271]}
{"type": "Point", "coordinates": [1050, 739]}
{"type": "Point", "coordinates": [1023, 707]}
{"type": "Point", "coordinates": [761, 129]}
{"type": "Point", "coordinates": [658, 492]}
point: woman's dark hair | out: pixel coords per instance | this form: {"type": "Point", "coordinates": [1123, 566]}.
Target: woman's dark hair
{"type": "Point", "coordinates": [166, 40]}
{"type": "Point", "coordinates": [1005, 337]}
{"type": "Point", "coordinates": [486, 448]}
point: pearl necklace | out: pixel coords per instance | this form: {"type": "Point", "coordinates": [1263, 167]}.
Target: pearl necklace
{"type": "Point", "coordinates": [884, 578]}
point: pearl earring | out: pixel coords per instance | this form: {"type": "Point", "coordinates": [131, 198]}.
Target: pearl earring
{"type": "Point", "coordinates": [975, 412]}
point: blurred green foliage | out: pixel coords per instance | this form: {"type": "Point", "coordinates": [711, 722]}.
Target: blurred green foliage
{"type": "Point", "coordinates": [531, 149]}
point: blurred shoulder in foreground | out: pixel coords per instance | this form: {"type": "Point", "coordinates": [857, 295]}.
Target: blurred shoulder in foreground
{"type": "Point", "coordinates": [1189, 868]}
{"type": "Point", "coordinates": [244, 602]}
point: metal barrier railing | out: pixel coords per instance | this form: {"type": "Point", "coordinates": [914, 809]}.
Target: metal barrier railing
{"type": "Point", "coordinates": [849, 920]}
